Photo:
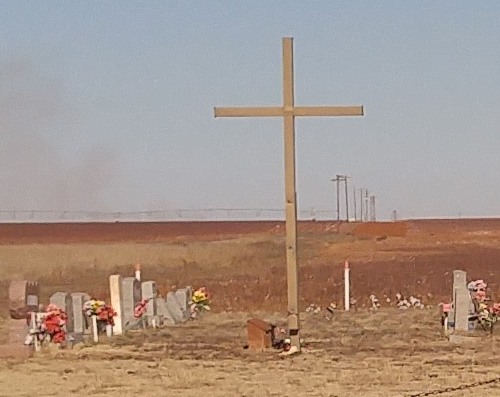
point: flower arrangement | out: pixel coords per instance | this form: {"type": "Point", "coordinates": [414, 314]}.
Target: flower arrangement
{"type": "Point", "coordinates": [101, 310]}
{"type": "Point", "coordinates": [140, 309]}
{"type": "Point", "coordinates": [374, 302]}
{"type": "Point", "coordinates": [477, 289]}
{"type": "Point", "coordinates": [53, 323]}
{"type": "Point", "coordinates": [49, 326]}
{"type": "Point", "coordinates": [487, 313]}
{"type": "Point", "coordinates": [199, 302]}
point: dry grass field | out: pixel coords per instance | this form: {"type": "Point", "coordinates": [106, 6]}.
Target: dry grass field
{"type": "Point", "coordinates": [362, 353]}
{"type": "Point", "coordinates": [387, 353]}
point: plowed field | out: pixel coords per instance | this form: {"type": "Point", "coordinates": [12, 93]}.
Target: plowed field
{"type": "Point", "coordinates": [243, 263]}
{"type": "Point", "coordinates": [361, 353]}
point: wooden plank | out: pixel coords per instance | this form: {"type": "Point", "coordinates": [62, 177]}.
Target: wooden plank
{"type": "Point", "coordinates": [306, 111]}
{"type": "Point", "coordinates": [249, 111]}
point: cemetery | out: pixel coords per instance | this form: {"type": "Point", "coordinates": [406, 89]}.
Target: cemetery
{"type": "Point", "coordinates": [420, 322]}
{"type": "Point", "coordinates": [249, 308]}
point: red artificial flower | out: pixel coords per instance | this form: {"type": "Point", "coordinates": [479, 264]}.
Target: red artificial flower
{"type": "Point", "coordinates": [53, 323]}
{"type": "Point", "coordinates": [106, 313]}
{"type": "Point", "coordinates": [495, 309]}
{"type": "Point", "coordinates": [140, 309]}
{"type": "Point", "coordinates": [481, 295]}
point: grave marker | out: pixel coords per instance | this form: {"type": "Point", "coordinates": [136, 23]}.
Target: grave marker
{"type": "Point", "coordinates": [80, 321]}
{"type": "Point", "coordinates": [174, 308]}
{"type": "Point", "coordinates": [260, 334]}
{"type": "Point", "coordinates": [463, 306]}
{"type": "Point", "coordinates": [166, 317]}
{"type": "Point", "coordinates": [150, 292]}
{"type": "Point", "coordinates": [131, 295]}
{"type": "Point", "coordinates": [64, 302]}
{"type": "Point", "coordinates": [23, 297]}
{"type": "Point", "coordinates": [184, 296]}
{"type": "Point", "coordinates": [115, 289]}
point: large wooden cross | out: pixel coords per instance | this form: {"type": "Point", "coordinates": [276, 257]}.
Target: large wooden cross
{"type": "Point", "coordinates": [289, 111]}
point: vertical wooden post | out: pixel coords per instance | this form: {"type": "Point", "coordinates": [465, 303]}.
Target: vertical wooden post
{"type": "Point", "coordinates": [347, 285]}
{"type": "Point", "coordinates": [290, 193]}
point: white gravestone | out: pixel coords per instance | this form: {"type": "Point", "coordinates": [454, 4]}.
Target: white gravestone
{"type": "Point", "coordinates": [115, 289]}
{"type": "Point", "coordinates": [463, 306]}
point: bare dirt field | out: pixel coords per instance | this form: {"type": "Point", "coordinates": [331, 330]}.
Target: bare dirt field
{"type": "Point", "coordinates": [386, 353]}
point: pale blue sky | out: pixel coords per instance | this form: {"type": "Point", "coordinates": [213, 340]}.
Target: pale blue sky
{"type": "Point", "coordinates": [109, 105]}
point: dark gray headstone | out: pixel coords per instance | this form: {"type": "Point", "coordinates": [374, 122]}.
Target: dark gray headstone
{"type": "Point", "coordinates": [174, 308]}
{"type": "Point", "coordinates": [132, 296]}
{"type": "Point", "coordinates": [23, 297]}
{"type": "Point", "coordinates": [81, 323]}
{"type": "Point", "coordinates": [64, 301]}
{"type": "Point", "coordinates": [183, 297]}
{"type": "Point", "coordinates": [32, 301]}
{"type": "Point", "coordinates": [166, 317]}
{"type": "Point", "coordinates": [149, 291]}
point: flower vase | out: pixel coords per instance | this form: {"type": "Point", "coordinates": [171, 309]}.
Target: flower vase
{"type": "Point", "coordinates": [109, 330]}
{"type": "Point", "coordinates": [95, 330]}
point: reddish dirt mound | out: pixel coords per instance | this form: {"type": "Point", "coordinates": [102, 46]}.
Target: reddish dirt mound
{"type": "Point", "coordinates": [376, 229]}
{"type": "Point", "coordinates": [105, 232]}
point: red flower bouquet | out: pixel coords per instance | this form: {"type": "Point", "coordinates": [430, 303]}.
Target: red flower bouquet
{"type": "Point", "coordinates": [140, 309]}
{"type": "Point", "coordinates": [53, 324]}
{"type": "Point", "coordinates": [104, 313]}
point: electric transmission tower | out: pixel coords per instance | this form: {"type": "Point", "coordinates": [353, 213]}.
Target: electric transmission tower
{"type": "Point", "coordinates": [339, 179]}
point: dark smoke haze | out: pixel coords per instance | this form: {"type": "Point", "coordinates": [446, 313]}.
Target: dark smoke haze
{"type": "Point", "coordinates": [43, 166]}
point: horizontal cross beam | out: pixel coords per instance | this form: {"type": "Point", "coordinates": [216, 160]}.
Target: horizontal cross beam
{"type": "Point", "coordinates": [277, 111]}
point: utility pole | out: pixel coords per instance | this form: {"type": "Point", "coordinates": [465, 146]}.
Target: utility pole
{"type": "Point", "coordinates": [366, 205]}
{"type": "Point", "coordinates": [354, 197]}
{"type": "Point", "coordinates": [361, 204]}
{"type": "Point", "coordinates": [346, 199]}
{"type": "Point", "coordinates": [339, 179]}
{"type": "Point", "coordinates": [372, 209]}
